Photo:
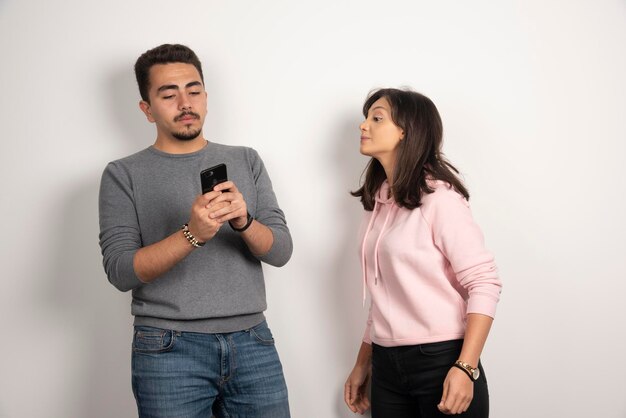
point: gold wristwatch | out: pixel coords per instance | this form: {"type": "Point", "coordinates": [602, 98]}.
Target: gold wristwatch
{"type": "Point", "coordinates": [472, 372]}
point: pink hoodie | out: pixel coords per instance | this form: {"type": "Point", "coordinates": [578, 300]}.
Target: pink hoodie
{"type": "Point", "coordinates": [425, 268]}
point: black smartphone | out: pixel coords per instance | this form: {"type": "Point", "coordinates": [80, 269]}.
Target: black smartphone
{"type": "Point", "coordinates": [213, 176]}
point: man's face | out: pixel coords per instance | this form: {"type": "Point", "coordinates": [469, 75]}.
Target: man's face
{"type": "Point", "coordinates": [178, 101]}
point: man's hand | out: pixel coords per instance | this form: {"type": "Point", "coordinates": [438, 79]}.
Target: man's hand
{"type": "Point", "coordinates": [201, 224]}
{"type": "Point", "coordinates": [229, 205]}
{"type": "Point", "coordinates": [355, 389]}
{"type": "Point", "coordinates": [458, 391]}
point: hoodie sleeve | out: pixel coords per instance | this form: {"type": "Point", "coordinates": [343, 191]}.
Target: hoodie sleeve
{"type": "Point", "coordinates": [459, 238]}
{"type": "Point", "coordinates": [368, 328]}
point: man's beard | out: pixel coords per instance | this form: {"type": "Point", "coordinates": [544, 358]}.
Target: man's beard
{"type": "Point", "coordinates": [187, 135]}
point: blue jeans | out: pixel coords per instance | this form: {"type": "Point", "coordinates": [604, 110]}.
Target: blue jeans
{"type": "Point", "coordinates": [407, 381]}
{"type": "Point", "coordinates": [189, 375]}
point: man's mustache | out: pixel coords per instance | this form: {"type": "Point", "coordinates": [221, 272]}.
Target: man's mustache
{"type": "Point", "coordinates": [182, 115]}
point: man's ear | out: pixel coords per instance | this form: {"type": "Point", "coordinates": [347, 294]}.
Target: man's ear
{"type": "Point", "coordinates": [145, 108]}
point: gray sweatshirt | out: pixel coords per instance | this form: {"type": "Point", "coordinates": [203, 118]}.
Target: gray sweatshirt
{"type": "Point", "coordinates": [219, 287]}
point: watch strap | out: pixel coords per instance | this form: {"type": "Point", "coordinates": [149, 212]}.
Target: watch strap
{"type": "Point", "coordinates": [246, 226]}
{"type": "Point", "coordinates": [465, 370]}
{"type": "Point", "coordinates": [469, 370]}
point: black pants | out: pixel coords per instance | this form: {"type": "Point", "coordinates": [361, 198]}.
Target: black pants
{"type": "Point", "coordinates": [407, 381]}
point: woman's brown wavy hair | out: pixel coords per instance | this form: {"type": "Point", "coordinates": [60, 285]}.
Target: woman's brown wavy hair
{"type": "Point", "coordinates": [419, 156]}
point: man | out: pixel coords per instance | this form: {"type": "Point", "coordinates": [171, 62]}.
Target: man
{"type": "Point", "coordinates": [193, 261]}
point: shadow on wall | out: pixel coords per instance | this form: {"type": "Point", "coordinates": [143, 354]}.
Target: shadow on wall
{"type": "Point", "coordinates": [98, 315]}
{"type": "Point", "coordinates": [347, 314]}
{"type": "Point", "coordinates": [129, 125]}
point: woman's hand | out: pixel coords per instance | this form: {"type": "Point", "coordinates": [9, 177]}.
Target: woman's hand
{"type": "Point", "coordinates": [458, 391]}
{"type": "Point", "coordinates": [355, 389]}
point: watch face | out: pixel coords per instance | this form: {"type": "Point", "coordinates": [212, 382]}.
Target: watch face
{"type": "Point", "coordinates": [476, 373]}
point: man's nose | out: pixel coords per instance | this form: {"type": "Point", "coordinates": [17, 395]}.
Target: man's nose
{"type": "Point", "coordinates": [183, 102]}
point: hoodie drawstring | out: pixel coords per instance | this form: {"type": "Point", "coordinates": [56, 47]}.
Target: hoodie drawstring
{"type": "Point", "coordinates": [376, 245]}
{"type": "Point", "coordinates": [382, 231]}
{"type": "Point", "coordinates": [367, 231]}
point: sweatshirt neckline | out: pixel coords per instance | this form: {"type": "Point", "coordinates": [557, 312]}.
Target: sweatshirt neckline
{"type": "Point", "coordinates": [160, 153]}
{"type": "Point", "coordinates": [383, 194]}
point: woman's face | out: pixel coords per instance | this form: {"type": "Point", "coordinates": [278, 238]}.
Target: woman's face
{"type": "Point", "coordinates": [380, 136]}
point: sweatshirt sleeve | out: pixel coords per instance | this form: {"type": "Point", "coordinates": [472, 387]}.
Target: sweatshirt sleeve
{"type": "Point", "coordinates": [119, 228]}
{"type": "Point", "coordinates": [269, 214]}
{"type": "Point", "coordinates": [459, 238]}
{"type": "Point", "coordinates": [368, 328]}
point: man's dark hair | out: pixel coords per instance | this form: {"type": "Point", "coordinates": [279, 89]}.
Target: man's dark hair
{"type": "Point", "coordinates": [419, 156]}
{"type": "Point", "coordinates": [162, 54]}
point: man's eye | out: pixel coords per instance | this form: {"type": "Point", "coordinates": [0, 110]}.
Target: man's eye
{"type": "Point", "coordinates": [194, 93]}
{"type": "Point", "coordinates": [377, 118]}
{"type": "Point", "coordinates": [168, 97]}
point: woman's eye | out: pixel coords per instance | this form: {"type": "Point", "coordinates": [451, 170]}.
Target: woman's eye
{"type": "Point", "coordinates": [377, 118]}
{"type": "Point", "coordinates": [168, 97]}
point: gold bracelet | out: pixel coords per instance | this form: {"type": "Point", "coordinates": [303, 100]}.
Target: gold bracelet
{"type": "Point", "coordinates": [192, 240]}
{"type": "Point", "coordinates": [472, 372]}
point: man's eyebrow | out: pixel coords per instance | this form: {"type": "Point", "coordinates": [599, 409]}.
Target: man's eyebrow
{"type": "Point", "coordinates": [175, 87]}
{"type": "Point", "coordinates": [167, 87]}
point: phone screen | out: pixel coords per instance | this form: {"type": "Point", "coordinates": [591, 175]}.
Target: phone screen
{"type": "Point", "coordinates": [213, 176]}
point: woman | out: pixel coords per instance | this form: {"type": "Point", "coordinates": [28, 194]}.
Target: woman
{"type": "Point", "coordinates": [434, 287]}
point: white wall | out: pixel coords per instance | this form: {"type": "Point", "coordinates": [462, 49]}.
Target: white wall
{"type": "Point", "coordinates": [533, 97]}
